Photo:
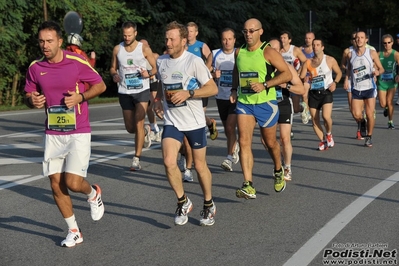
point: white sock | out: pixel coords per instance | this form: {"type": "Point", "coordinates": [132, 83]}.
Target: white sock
{"type": "Point", "coordinates": [229, 157]}
{"type": "Point", "coordinates": [71, 222]}
{"type": "Point", "coordinates": [154, 127]}
{"type": "Point", "coordinates": [92, 193]}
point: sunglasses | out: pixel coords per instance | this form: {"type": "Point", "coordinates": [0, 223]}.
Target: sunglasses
{"type": "Point", "coordinates": [251, 31]}
{"type": "Point", "coordinates": [387, 42]}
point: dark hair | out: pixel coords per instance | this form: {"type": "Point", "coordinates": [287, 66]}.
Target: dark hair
{"type": "Point", "coordinates": [288, 33]}
{"type": "Point", "coordinates": [318, 39]}
{"type": "Point", "coordinates": [129, 24]}
{"type": "Point", "coordinates": [277, 39]}
{"type": "Point", "coordinates": [182, 29]}
{"type": "Point", "coordinates": [51, 25]}
{"type": "Point", "coordinates": [227, 29]}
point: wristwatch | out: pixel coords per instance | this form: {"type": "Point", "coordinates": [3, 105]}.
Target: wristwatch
{"type": "Point", "coordinates": [265, 85]}
{"type": "Point", "coordinates": [192, 92]}
{"type": "Point", "coordinates": [288, 86]}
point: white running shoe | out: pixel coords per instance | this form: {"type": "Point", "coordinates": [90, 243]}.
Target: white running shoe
{"type": "Point", "coordinates": [236, 155]}
{"type": "Point", "coordinates": [158, 136]}
{"type": "Point", "coordinates": [287, 173]}
{"type": "Point", "coordinates": [188, 176]}
{"type": "Point", "coordinates": [181, 163]}
{"type": "Point", "coordinates": [135, 164]}
{"type": "Point", "coordinates": [73, 238]}
{"type": "Point", "coordinates": [208, 216]}
{"type": "Point", "coordinates": [227, 165]}
{"type": "Point", "coordinates": [304, 114]}
{"type": "Point", "coordinates": [96, 205]}
{"type": "Point", "coordinates": [147, 138]}
{"type": "Point", "coordinates": [182, 210]}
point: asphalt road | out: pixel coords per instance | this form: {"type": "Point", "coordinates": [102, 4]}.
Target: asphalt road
{"type": "Point", "coordinates": [340, 201]}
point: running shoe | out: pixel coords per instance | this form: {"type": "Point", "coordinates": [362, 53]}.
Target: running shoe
{"type": "Point", "coordinates": [96, 205]}
{"type": "Point", "coordinates": [182, 210]}
{"type": "Point", "coordinates": [309, 116]}
{"type": "Point", "coordinates": [368, 142]}
{"type": "Point", "coordinates": [208, 216]}
{"type": "Point", "coordinates": [287, 173]}
{"type": "Point", "coordinates": [363, 127]}
{"type": "Point", "coordinates": [236, 155]}
{"type": "Point", "coordinates": [391, 125]}
{"type": "Point", "coordinates": [227, 165]}
{"type": "Point", "coordinates": [304, 114]}
{"type": "Point", "coordinates": [135, 164]}
{"type": "Point", "coordinates": [397, 102]}
{"type": "Point", "coordinates": [213, 131]}
{"type": "Point", "coordinates": [386, 111]}
{"type": "Point", "coordinates": [247, 191]}
{"type": "Point", "coordinates": [323, 146]}
{"type": "Point", "coordinates": [147, 138]}
{"type": "Point", "coordinates": [330, 140]}
{"type": "Point", "coordinates": [188, 176]}
{"type": "Point", "coordinates": [279, 182]}
{"type": "Point", "coordinates": [358, 135]}
{"type": "Point", "coordinates": [158, 136]}
{"type": "Point", "coordinates": [182, 163]}
{"type": "Point", "coordinates": [73, 238]}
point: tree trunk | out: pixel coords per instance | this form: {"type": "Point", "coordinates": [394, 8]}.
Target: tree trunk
{"type": "Point", "coordinates": [45, 10]}
{"type": "Point", "coordinates": [14, 87]}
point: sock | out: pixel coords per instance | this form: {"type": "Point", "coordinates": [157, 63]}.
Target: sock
{"type": "Point", "coordinates": [208, 203]}
{"type": "Point", "coordinates": [328, 134]}
{"type": "Point", "coordinates": [182, 200]}
{"type": "Point", "coordinates": [287, 166]}
{"type": "Point", "coordinates": [229, 157]}
{"type": "Point", "coordinates": [92, 194]}
{"type": "Point", "coordinates": [390, 121]}
{"type": "Point", "coordinates": [156, 128]}
{"type": "Point", "coordinates": [71, 222]}
{"type": "Point", "coordinates": [358, 126]}
{"type": "Point", "coordinates": [277, 171]}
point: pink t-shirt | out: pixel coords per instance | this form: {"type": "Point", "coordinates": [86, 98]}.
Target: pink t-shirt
{"type": "Point", "coordinates": [54, 80]}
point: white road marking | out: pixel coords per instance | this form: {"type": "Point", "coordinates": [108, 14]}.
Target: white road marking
{"type": "Point", "coordinates": [314, 245]}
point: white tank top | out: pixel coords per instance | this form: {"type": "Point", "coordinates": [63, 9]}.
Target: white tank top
{"type": "Point", "coordinates": [362, 71]}
{"type": "Point", "coordinates": [290, 58]}
{"type": "Point", "coordinates": [130, 66]}
{"type": "Point", "coordinates": [321, 76]}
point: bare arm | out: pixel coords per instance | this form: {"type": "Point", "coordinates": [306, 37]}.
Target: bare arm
{"type": "Point", "coordinates": [208, 55]}
{"type": "Point", "coordinates": [148, 54]}
{"type": "Point", "coordinates": [114, 65]}
{"type": "Point", "coordinates": [297, 85]}
{"type": "Point", "coordinates": [379, 69]}
{"type": "Point", "coordinates": [304, 70]}
{"type": "Point", "coordinates": [333, 64]}
{"type": "Point", "coordinates": [277, 60]}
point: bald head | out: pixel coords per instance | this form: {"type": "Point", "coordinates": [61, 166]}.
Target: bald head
{"type": "Point", "coordinates": [253, 23]}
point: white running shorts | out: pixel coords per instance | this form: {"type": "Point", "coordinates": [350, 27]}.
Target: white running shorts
{"type": "Point", "coordinates": [67, 153]}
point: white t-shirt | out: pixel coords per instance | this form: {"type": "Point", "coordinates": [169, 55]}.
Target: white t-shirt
{"type": "Point", "coordinates": [188, 72]}
{"type": "Point", "coordinates": [225, 63]}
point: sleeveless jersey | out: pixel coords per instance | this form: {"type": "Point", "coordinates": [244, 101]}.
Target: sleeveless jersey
{"type": "Point", "coordinates": [224, 63]}
{"type": "Point", "coordinates": [308, 55]}
{"type": "Point", "coordinates": [188, 72]}
{"type": "Point", "coordinates": [389, 65]}
{"type": "Point", "coordinates": [320, 77]}
{"type": "Point", "coordinates": [196, 48]}
{"type": "Point", "coordinates": [130, 66]}
{"type": "Point", "coordinates": [290, 58]}
{"type": "Point", "coordinates": [253, 67]}
{"type": "Point", "coordinates": [362, 71]}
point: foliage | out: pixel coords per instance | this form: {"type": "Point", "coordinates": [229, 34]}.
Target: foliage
{"type": "Point", "coordinates": [333, 21]}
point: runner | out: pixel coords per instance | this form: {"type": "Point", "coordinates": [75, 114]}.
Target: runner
{"type": "Point", "coordinates": [184, 116]}
{"type": "Point", "coordinates": [322, 85]}
{"type": "Point", "coordinates": [223, 64]}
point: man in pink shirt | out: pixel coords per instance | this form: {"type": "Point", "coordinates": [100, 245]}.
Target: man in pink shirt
{"type": "Point", "coordinates": [56, 82]}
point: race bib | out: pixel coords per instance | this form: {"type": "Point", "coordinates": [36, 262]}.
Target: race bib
{"type": "Point", "coordinates": [246, 78]}
{"type": "Point", "coordinates": [169, 90]}
{"type": "Point", "coordinates": [133, 81]}
{"type": "Point", "coordinates": [360, 74]}
{"type": "Point", "coordinates": [60, 118]}
{"type": "Point", "coordinates": [317, 83]}
{"type": "Point", "coordinates": [226, 78]}
{"type": "Point", "coordinates": [387, 76]}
